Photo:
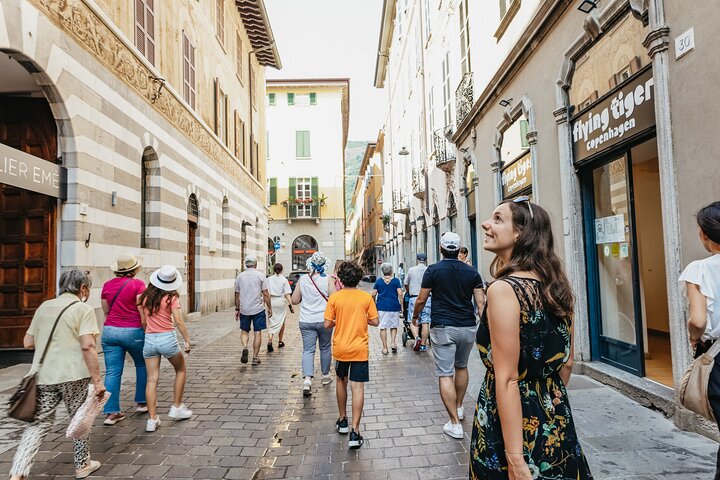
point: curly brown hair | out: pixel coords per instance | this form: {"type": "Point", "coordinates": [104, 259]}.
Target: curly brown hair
{"type": "Point", "coordinates": [152, 297]}
{"type": "Point", "coordinates": [350, 274]}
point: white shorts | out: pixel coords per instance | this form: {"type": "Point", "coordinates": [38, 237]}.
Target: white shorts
{"type": "Point", "coordinates": [389, 319]}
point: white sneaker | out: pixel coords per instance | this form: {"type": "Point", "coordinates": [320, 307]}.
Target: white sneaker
{"type": "Point", "coordinates": [455, 430]}
{"type": "Point", "coordinates": [307, 387]}
{"type": "Point", "coordinates": [179, 413]}
{"type": "Point", "coordinates": [152, 425]}
{"type": "Point", "coordinates": [326, 379]}
{"type": "Point", "coordinates": [461, 413]}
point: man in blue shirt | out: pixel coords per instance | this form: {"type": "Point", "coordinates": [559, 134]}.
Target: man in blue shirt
{"type": "Point", "coordinates": [453, 324]}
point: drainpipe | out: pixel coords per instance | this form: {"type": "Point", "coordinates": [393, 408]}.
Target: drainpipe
{"type": "Point", "coordinates": [424, 109]}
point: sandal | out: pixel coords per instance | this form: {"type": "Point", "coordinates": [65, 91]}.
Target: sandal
{"type": "Point", "coordinates": [384, 352]}
{"type": "Point", "coordinates": [112, 419]}
{"type": "Point", "coordinates": [394, 349]}
{"type": "Point", "coordinates": [281, 344]}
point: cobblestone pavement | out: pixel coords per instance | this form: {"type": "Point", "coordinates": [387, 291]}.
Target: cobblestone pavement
{"type": "Point", "coordinates": [253, 423]}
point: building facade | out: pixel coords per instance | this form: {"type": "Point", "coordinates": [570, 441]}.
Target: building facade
{"type": "Point", "coordinates": [599, 118]}
{"type": "Point", "coordinates": [307, 122]}
{"type": "Point", "coordinates": [125, 127]}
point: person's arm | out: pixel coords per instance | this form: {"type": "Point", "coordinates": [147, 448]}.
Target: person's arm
{"type": "Point", "coordinates": [331, 285]}
{"type": "Point", "coordinates": [296, 295]}
{"type": "Point", "coordinates": [503, 314]}
{"type": "Point", "coordinates": [420, 302]}
{"type": "Point", "coordinates": [479, 295]}
{"type": "Point", "coordinates": [29, 342]}
{"type": "Point", "coordinates": [105, 306]}
{"type": "Point", "coordinates": [180, 324]}
{"type": "Point", "coordinates": [268, 305]}
{"type": "Point", "coordinates": [237, 305]}
{"type": "Point", "coordinates": [698, 313]}
{"type": "Point", "coordinates": [89, 351]}
{"type": "Point", "coordinates": [566, 370]}
{"type": "Point", "coordinates": [374, 294]}
{"type": "Point", "coordinates": [400, 297]}
{"type": "Point", "coordinates": [329, 313]}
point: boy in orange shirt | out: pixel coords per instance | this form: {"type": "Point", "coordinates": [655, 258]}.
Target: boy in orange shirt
{"type": "Point", "coordinates": [350, 311]}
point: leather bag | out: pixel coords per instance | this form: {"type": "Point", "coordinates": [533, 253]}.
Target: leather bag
{"type": "Point", "coordinates": [22, 404]}
{"type": "Point", "coordinates": [693, 391]}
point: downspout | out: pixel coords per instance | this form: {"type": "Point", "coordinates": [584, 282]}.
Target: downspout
{"type": "Point", "coordinates": [424, 109]}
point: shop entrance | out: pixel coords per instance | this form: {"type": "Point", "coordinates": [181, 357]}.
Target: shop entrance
{"type": "Point", "coordinates": [626, 262]}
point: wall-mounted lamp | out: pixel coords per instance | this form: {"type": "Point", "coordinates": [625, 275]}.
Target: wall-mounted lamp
{"type": "Point", "coordinates": [113, 199]}
{"type": "Point", "coordinates": [421, 218]}
{"type": "Point", "coordinates": [587, 6]}
{"type": "Point", "coordinates": [159, 83]}
{"type": "Point", "coordinates": [404, 151]}
{"type": "Point", "coordinates": [506, 103]}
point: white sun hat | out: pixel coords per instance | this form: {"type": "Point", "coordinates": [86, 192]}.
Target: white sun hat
{"type": "Point", "coordinates": [166, 278]}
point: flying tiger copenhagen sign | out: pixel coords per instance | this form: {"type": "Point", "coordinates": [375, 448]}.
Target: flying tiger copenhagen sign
{"type": "Point", "coordinates": [623, 114]}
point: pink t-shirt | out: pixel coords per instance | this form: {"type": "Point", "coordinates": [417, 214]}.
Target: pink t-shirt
{"type": "Point", "coordinates": [162, 320]}
{"type": "Point", "coordinates": [124, 312]}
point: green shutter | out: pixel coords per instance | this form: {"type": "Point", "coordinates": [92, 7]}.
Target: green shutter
{"type": "Point", "coordinates": [523, 134]}
{"type": "Point", "coordinates": [313, 98]}
{"type": "Point", "coordinates": [292, 194]}
{"type": "Point", "coordinates": [306, 144]}
{"type": "Point", "coordinates": [271, 98]}
{"type": "Point", "coordinates": [273, 191]}
{"type": "Point", "coordinates": [314, 195]}
{"type": "Point", "coordinates": [298, 143]}
{"type": "Point", "coordinates": [291, 98]}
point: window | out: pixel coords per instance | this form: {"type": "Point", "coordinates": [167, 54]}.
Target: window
{"type": "Point", "coordinates": [302, 100]}
{"type": "Point", "coordinates": [253, 85]}
{"type": "Point", "coordinates": [291, 99]}
{"type": "Point", "coordinates": [221, 111]}
{"type": "Point", "coordinates": [313, 98]}
{"type": "Point", "coordinates": [239, 138]}
{"type": "Point", "coordinates": [272, 191]}
{"type": "Point", "coordinates": [465, 37]}
{"type": "Point", "coordinates": [302, 144]}
{"type": "Point", "coordinates": [220, 21]}
{"type": "Point", "coordinates": [145, 28]}
{"type": "Point", "coordinates": [427, 20]}
{"type": "Point", "coordinates": [225, 228]}
{"type": "Point", "coordinates": [238, 56]}
{"type": "Point", "coordinates": [431, 107]}
{"type": "Point", "coordinates": [271, 99]}
{"type": "Point", "coordinates": [447, 104]}
{"type": "Point", "coordinates": [303, 189]}
{"type": "Point", "coordinates": [189, 92]}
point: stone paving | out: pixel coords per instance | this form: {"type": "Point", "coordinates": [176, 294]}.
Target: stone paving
{"type": "Point", "coordinates": [253, 423]}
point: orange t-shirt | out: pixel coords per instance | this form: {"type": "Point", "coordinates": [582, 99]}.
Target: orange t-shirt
{"type": "Point", "coordinates": [350, 309]}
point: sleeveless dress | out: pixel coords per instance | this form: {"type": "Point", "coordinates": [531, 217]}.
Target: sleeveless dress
{"type": "Point", "coordinates": [550, 443]}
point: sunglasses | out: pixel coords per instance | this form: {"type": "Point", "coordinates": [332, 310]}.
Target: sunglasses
{"type": "Point", "coordinates": [525, 198]}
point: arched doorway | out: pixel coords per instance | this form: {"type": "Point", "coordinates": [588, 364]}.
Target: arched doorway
{"type": "Point", "coordinates": [28, 214]}
{"type": "Point", "coordinates": [303, 248]}
{"type": "Point", "coordinates": [193, 213]}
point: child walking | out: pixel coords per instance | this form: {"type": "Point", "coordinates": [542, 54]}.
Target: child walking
{"type": "Point", "coordinates": [350, 311]}
{"type": "Point", "coordinates": [161, 305]}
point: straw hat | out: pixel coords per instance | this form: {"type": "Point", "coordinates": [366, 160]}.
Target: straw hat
{"type": "Point", "coordinates": [166, 278]}
{"type": "Point", "coordinates": [126, 262]}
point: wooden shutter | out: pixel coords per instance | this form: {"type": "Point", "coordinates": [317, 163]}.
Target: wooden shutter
{"type": "Point", "coordinates": [298, 144]}
{"type": "Point", "coordinates": [271, 99]}
{"type": "Point", "coordinates": [291, 99]}
{"type": "Point", "coordinates": [188, 71]}
{"type": "Point", "coordinates": [140, 25]}
{"type": "Point", "coordinates": [503, 8]}
{"type": "Point", "coordinates": [145, 28]}
{"type": "Point", "coordinates": [314, 195]}
{"type": "Point", "coordinates": [236, 136]}
{"type": "Point", "coordinates": [292, 195]}
{"type": "Point", "coordinates": [226, 123]}
{"type": "Point", "coordinates": [193, 89]}
{"type": "Point", "coordinates": [217, 107]}
{"type": "Point", "coordinates": [313, 98]}
{"type": "Point", "coordinates": [523, 134]}
{"type": "Point", "coordinates": [220, 20]}
{"type": "Point", "coordinates": [273, 191]}
{"type": "Point", "coordinates": [306, 143]}
{"type": "Point", "coordinates": [239, 55]}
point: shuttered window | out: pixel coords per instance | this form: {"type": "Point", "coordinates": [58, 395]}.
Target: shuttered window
{"type": "Point", "coordinates": [189, 92]}
{"type": "Point", "coordinates": [145, 28]}
{"type": "Point", "coordinates": [302, 144]}
{"type": "Point", "coordinates": [291, 99]}
{"type": "Point", "coordinates": [313, 98]}
{"type": "Point", "coordinates": [239, 138]}
{"type": "Point", "coordinates": [221, 109]}
{"type": "Point", "coordinates": [292, 195]}
{"type": "Point", "coordinates": [271, 99]}
{"type": "Point", "coordinates": [464, 37]}
{"type": "Point", "coordinates": [239, 56]}
{"type": "Point", "coordinates": [315, 212]}
{"type": "Point", "coordinates": [220, 20]}
{"type": "Point", "coordinates": [273, 191]}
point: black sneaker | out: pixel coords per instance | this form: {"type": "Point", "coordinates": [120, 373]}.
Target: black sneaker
{"type": "Point", "coordinates": [244, 357]}
{"type": "Point", "coordinates": [356, 440]}
{"type": "Point", "coordinates": [270, 347]}
{"type": "Point", "coordinates": [342, 425]}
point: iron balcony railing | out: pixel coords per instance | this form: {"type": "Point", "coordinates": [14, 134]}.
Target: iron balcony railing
{"type": "Point", "coordinates": [464, 97]}
{"type": "Point", "coordinates": [401, 203]}
{"type": "Point", "coordinates": [444, 156]}
{"type": "Point", "coordinates": [418, 182]}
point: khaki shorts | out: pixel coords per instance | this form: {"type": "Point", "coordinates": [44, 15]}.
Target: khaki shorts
{"type": "Point", "coordinates": [451, 347]}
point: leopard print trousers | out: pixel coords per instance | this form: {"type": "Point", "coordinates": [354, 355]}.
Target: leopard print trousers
{"type": "Point", "coordinates": [49, 397]}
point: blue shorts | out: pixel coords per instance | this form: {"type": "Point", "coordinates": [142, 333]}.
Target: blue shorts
{"type": "Point", "coordinates": [424, 315]}
{"type": "Point", "coordinates": [258, 322]}
{"type": "Point", "coordinates": [161, 344]}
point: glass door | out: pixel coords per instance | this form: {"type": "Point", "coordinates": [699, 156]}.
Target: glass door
{"type": "Point", "coordinates": [612, 270]}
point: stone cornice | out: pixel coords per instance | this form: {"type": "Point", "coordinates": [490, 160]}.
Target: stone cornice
{"type": "Point", "coordinates": [657, 41]}
{"type": "Point", "coordinates": [93, 32]}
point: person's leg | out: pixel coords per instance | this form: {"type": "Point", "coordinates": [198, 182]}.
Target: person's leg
{"type": "Point", "coordinates": [114, 353]}
{"type": "Point", "coordinates": [411, 308]}
{"type": "Point", "coordinates": [341, 394]}
{"type": "Point", "coordinates": [48, 398]}
{"type": "Point", "coordinates": [257, 342]}
{"type": "Point", "coordinates": [444, 354]}
{"type": "Point", "coordinates": [281, 334]}
{"type": "Point", "coordinates": [714, 400]}
{"type": "Point", "coordinates": [152, 366]}
{"type": "Point", "coordinates": [309, 339]}
{"type": "Point", "coordinates": [449, 397]}
{"type": "Point", "coordinates": [425, 327]}
{"type": "Point", "coordinates": [464, 338]}
{"type": "Point", "coordinates": [461, 384]}
{"type": "Point", "coordinates": [135, 349]}
{"type": "Point", "coordinates": [74, 395]}
{"type": "Point", "coordinates": [358, 402]}
{"type": "Point", "coordinates": [178, 363]}
{"type": "Point", "coordinates": [393, 337]}
{"type": "Point", "coordinates": [383, 339]}
{"type": "Point", "coordinates": [244, 338]}
{"type": "Point", "coordinates": [259, 324]}
{"type": "Point", "coordinates": [425, 332]}
{"type": "Point", "coordinates": [325, 341]}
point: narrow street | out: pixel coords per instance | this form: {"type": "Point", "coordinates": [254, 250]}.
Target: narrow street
{"type": "Point", "coordinates": [253, 423]}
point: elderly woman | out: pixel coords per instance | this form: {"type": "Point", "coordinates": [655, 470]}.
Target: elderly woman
{"type": "Point", "coordinates": [123, 334]}
{"type": "Point", "coordinates": [388, 293]}
{"type": "Point", "coordinates": [69, 367]}
{"type": "Point", "coordinates": [313, 291]}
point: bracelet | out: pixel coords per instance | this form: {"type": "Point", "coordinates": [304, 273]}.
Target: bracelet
{"type": "Point", "coordinates": [513, 453]}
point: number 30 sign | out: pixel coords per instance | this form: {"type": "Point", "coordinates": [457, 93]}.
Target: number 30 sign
{"type": "Point", "coordinates": [684, 43]}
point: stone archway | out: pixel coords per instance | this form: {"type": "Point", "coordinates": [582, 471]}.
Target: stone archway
{"type": "Point", "coordinates": [302, 249]}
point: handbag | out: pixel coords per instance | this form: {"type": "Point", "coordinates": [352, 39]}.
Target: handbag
{"type": "Point", "coordinates": [316, 287]}
{"type": "Point", "coordinates": [22, 404]}
{"type": "Point", "coordinates": [81, 424]}
{"type": "Point", "coordinates": [693, 391]}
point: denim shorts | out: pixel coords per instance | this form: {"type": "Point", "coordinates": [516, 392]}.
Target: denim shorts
{"type": "Point", "coordinates": [424, 315]}
{"type": "Point", "coordinates": [451, 348]}
{"type": "Point", "coordinates": [257, 320]}
{"type": "Point", "coordinates": [161, 344]}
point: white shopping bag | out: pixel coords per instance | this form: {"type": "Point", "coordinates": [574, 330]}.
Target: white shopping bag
{"type": "Point", "coordinates": [82, 422]}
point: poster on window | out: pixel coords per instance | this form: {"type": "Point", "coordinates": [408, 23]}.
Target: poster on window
{"type": "Point", "coordinates": [610, 229]}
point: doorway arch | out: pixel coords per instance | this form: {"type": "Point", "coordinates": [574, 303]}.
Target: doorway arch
{"type": "Point", "coordinates": [303, 248]}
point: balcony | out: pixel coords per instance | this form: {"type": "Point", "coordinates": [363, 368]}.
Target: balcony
{"type": "Point", "coordinates": [464, 97]}
{"type": "Point", "coordinates": [401, 203]}
{"type": "Point", "coordinates": [304, 208]}
{"type": "Point", "coordinates": [444, 156]}
{"type": "Point", "coordinates": [418, 183]}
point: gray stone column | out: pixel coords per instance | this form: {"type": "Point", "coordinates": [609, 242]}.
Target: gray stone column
{"type": "Point", "coordinates": [572, 229]}
{"type": "Point", "coordinates": [657, 43]}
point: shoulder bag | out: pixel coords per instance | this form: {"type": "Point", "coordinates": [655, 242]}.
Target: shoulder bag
{"type": "Point", "coordinates": [316, 287]}
{"type": "Point", "coordinates": [22, 404]}
{"type": "Point", "coordinates": [693, 391]}
{"type": "Point", "coordinates": [112, 302]}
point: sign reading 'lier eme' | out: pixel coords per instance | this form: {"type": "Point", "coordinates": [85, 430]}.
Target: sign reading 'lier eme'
{"type": "Point", "coordinates": [23, 170]}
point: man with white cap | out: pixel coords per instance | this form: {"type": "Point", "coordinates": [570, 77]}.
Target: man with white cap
{"type": "Point", "coordinates": [251, 290]}
{"type": "Point", "coordinates": [453, 324]}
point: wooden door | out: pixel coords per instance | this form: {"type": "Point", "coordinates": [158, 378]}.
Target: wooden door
{"type": "Point", "coordinates": [27, 222]}
{"type": "Point", "coordinates": [192, 231]}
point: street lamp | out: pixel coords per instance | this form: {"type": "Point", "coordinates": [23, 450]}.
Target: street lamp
{"type": "Point", "coordinates": [506, 102]}
{"type": "Point", "coordinates": [404, 151]}
{"type": "Point", "coordinates": [587, 6]}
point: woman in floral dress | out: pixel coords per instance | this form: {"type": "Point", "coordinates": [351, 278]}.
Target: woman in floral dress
{"type": "Point", "coordinates": [523, 427]}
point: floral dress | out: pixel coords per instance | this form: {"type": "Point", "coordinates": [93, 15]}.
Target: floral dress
{"type": "Point", "coordinates": [550, 444]}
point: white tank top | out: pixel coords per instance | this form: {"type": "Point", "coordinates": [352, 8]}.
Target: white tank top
{"type": "Point", "coordinates": [312, 307]}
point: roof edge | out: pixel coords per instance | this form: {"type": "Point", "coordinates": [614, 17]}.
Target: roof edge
{"type": "Point", "coordinates": [387, 27]}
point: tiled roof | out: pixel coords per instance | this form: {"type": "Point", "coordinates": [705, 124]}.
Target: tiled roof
{"type": "Point", "coordinates": [255, 18]}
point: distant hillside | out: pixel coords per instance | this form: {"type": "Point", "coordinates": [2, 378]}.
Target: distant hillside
{"type": "Point", "coordinates": [354, 153]}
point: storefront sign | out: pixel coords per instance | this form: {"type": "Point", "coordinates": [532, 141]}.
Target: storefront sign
{"type": "Point", "coordinates": [517, 176]}
{"type": "Point", "coordinates": [610, 229]}
{"type": "Point", "coordinates": [23, 170]}
{"type": "Point", "coordinates": [621, 115]}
